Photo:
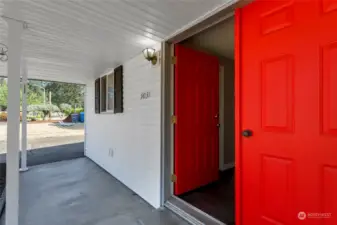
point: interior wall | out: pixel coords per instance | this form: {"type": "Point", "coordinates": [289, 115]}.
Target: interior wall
{"type": "Point", "coordinates": [227, 116]}
{"type": "Point", "coordinates": [127, 145]}
{"type": "Point", "coordinates": [217, 40]}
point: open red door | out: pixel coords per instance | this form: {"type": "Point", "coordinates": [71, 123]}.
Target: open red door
{"type": "Point", "coordinates": [196, 136]}
{"type": "Point", "coordinates": [288, 74]}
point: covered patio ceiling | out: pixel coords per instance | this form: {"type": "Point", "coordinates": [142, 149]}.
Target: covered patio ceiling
{"type": "Point", "coordinates": [74, 40]}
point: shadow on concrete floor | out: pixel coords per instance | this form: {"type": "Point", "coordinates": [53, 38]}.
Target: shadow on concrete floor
{"type": "Point", "coordinates": [51, 154]}
{"type": "Point", "coordinates": [78, 192]}
{"type": "Point", "coordinates": [42, 156]}
{"type": "Point", "coordinates": [55, 154]}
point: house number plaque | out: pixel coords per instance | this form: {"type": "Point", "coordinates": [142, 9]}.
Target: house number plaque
{"type": "Point", "coordinates": [145, 95]}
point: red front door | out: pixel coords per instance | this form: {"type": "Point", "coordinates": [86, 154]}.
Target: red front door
{"type": "Point", "coordinates": [196, 138]}
{"type": "Point", "coordinates": [288, 74]}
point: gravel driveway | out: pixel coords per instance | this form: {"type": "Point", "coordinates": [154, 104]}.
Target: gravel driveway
{"type": "Point", "coordinates": [46, 135]}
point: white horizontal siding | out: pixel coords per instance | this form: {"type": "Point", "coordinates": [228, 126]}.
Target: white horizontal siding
{"type": "Point", "coordinates": [133, 135]}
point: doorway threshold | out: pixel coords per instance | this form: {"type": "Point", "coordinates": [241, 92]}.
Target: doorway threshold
{"type": "Point", "coordinates": [190, 213]}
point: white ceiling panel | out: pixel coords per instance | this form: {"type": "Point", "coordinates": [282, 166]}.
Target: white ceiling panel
{"type": "Point", "coordinates": [75, 39]}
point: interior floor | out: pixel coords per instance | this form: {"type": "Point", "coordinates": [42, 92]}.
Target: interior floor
{"type": "Point", "coordinates": [216, 199]}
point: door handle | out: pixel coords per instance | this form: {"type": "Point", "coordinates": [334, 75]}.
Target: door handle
{"type": "Point", "coordinates": [218, 125]}
{"type": "Point", "coordinates": [247, 133]}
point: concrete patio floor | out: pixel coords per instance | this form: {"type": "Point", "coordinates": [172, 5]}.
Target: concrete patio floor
{"type": "Point", "coordinates": [78, 192]}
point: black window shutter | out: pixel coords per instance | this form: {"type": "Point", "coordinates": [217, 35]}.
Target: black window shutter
{"type": "Point", "coordinates": [118, 82]}
{"type": "Point", "coordinates": [97, 96]}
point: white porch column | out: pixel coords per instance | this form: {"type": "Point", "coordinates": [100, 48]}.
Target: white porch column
{"type": "Point", "coordinates": [24, 119]}
{"type": "Point", "coordinates": [15, 29]}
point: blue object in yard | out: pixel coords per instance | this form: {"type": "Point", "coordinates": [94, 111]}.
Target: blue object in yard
{"type": "Point", "coordinates": [74, 117]}
{"type": "Point", "coordinates": [82, 117]}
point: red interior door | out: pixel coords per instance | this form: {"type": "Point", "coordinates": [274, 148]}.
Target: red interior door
{"type": "Point", "coordinates": [196, 108]}
{"type": "Point", "coordinates": [288, 64]}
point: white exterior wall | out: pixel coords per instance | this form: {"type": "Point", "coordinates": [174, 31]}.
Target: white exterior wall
{"type": "Point", "coordinates": [133, 135]}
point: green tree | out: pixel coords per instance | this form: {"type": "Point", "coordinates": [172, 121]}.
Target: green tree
{"type": "Point", "coordinates": [34, 95]}
{"type": "Point", "coordinates": [72, 94]}
{"type": "Point", "coordinates": [66, 109]}
{"type": "Point", "coordinates": [34, 98]}
{"type": "Point", "coordinates": [3, 96]}
{"type": "Point", "coordinates": [45, 109]}
{"type": "Point", "coordinates": [35, 92]}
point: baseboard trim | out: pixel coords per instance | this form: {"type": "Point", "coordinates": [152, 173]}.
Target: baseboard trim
{"type": "Point", "coordinates": [2, 201]}
{"type": "Point", "coordinates": [190, 213]}
{"type": "Point", "coordinates": [177, 210]}
{"type": "Point", "coordinates": [228, 166]}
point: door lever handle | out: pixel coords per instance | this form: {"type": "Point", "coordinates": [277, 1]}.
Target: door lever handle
{"type": "Point", "coordinates": [247, 133]}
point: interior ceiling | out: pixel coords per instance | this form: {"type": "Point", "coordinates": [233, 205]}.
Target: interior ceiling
{"type": "Point", "coordinates": [218, 39]}
{"type": "Point", "coordinates": [73, 40]}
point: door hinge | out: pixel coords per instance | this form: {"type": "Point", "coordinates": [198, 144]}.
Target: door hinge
{"type": "Point", "coordinates": [174, 60]}
{"type": "Point", "coordinates": [173, 119]}
{"type": "Point", "coordinates": [173, 178]}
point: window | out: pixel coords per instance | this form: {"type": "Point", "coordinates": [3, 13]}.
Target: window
{"type": "Point", "coordinates": [109, 92]}
{"type": "Point", "coordinates": [103, 94]}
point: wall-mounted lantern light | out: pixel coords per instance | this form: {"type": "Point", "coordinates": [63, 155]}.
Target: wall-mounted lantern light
{"type": "Point", "coordinates": [3, 53]}
{"type": "Point", "coordinates": [150, 55]}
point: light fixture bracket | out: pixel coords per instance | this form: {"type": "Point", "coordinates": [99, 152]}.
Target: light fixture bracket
{"type": "Point", "coordinates": [3, 52]}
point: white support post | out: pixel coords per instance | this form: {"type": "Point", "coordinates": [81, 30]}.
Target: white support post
{"type": "Point", "coordinates": [15, 29]}
{"type": "Point", "coordinates": [24, 119]}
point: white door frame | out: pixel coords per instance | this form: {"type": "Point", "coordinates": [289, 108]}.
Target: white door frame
{"type": "Point", "coordinates": [167, 86]}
